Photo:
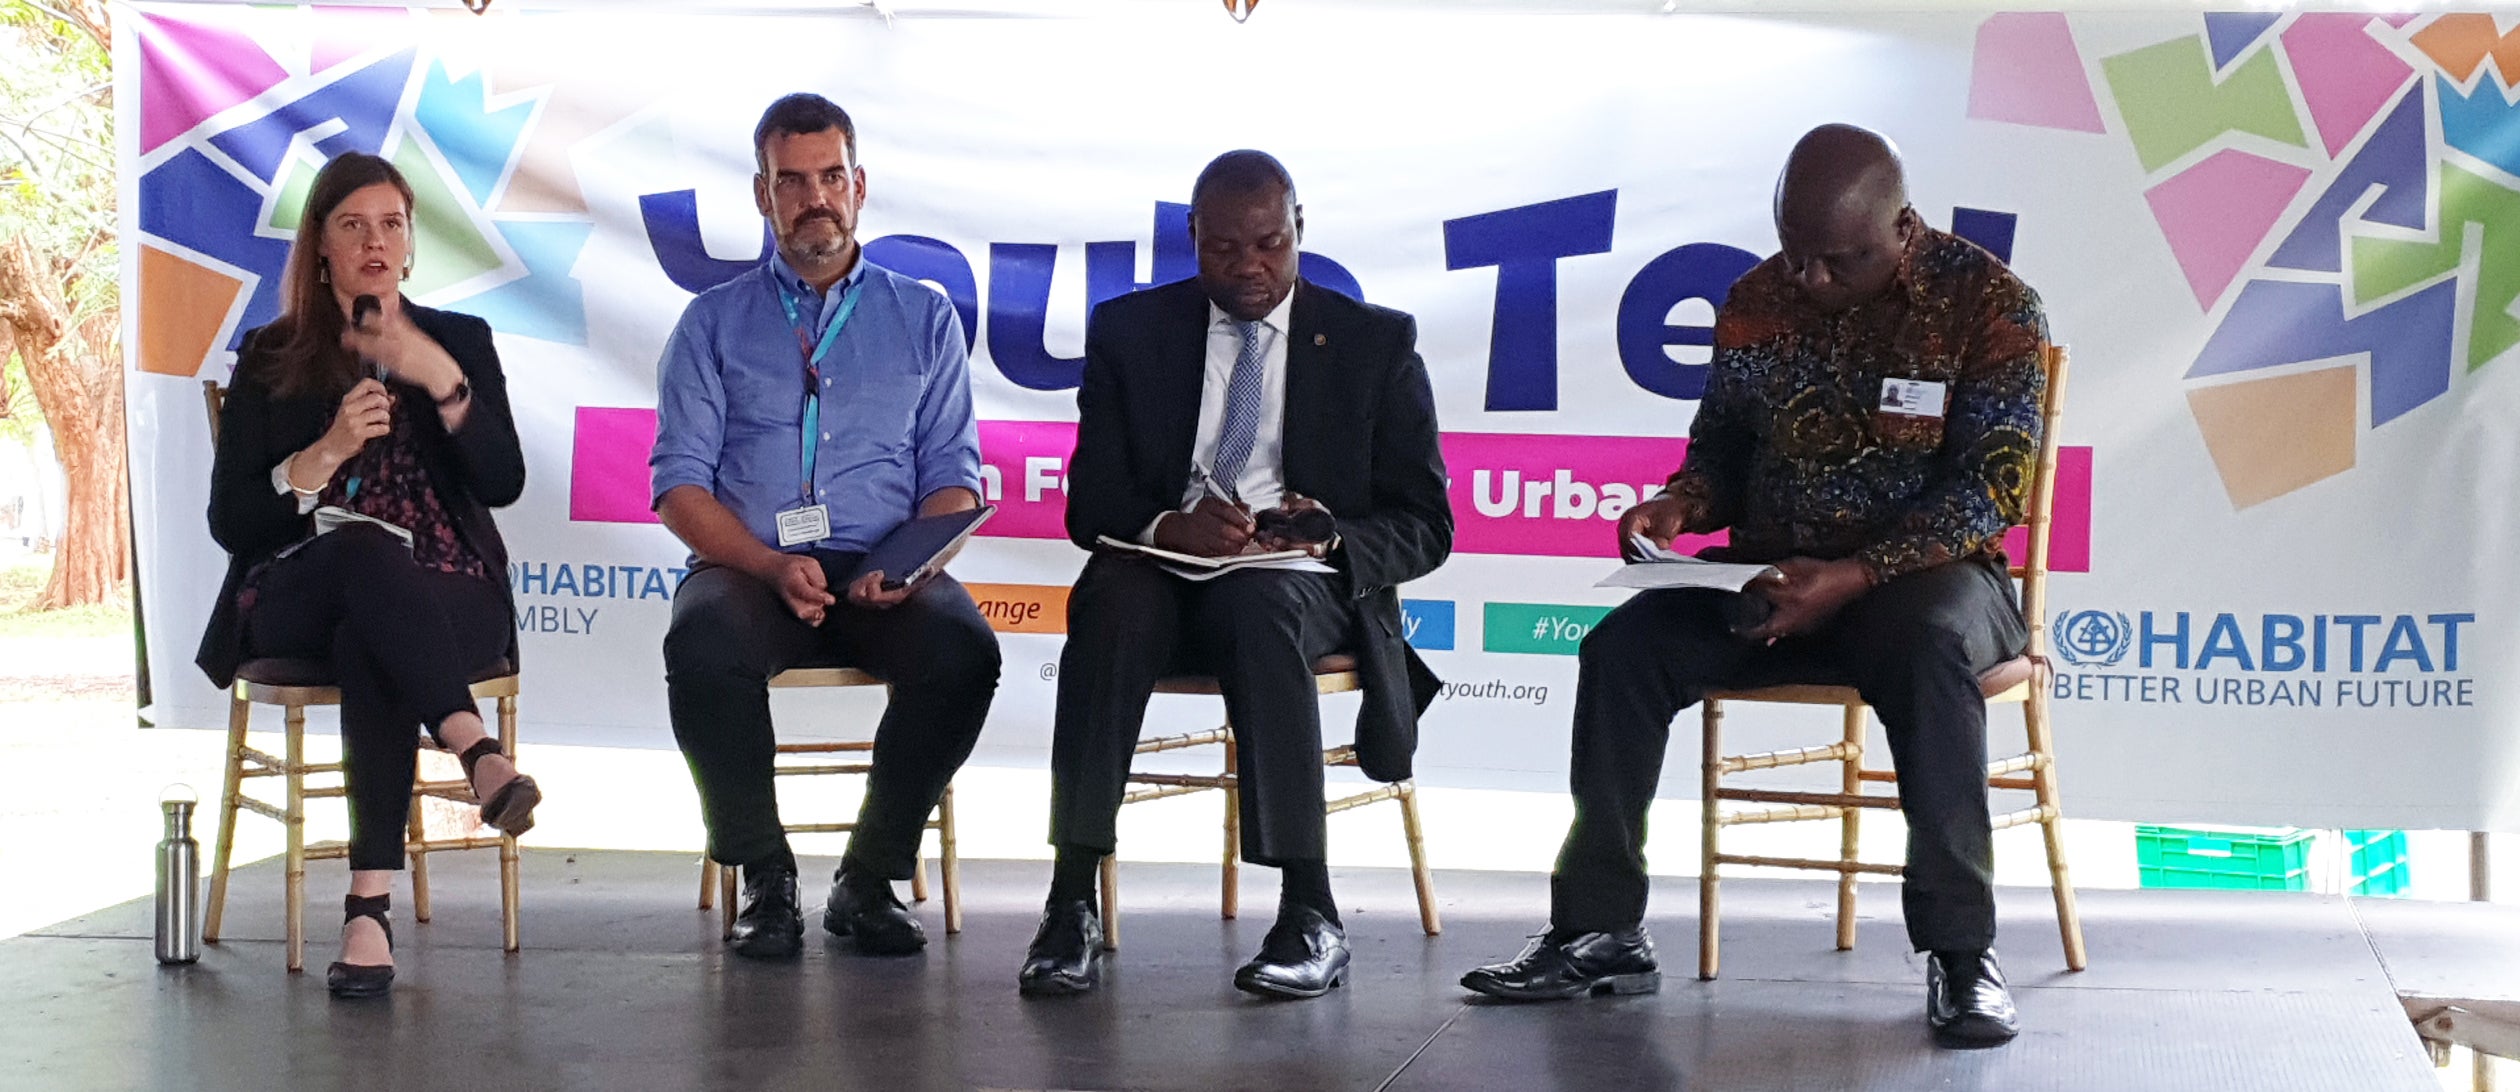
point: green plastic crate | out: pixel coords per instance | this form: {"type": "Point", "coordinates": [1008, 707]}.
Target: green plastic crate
{"type": "Point", "coordinates": [2376, 863]}
{"type": "Point", "coordinates": [2232, 860]}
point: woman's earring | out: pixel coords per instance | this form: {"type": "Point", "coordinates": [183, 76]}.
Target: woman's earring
{"type": "Point", "coordinates": [323, 271]}
{"type": "Point", "coordinates": [407, 264]}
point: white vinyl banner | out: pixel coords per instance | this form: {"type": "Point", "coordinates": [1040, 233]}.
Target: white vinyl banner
{"type": "Point", "coordinates": [2284, 249]}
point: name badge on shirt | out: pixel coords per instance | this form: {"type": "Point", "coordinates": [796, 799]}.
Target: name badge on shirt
{"type": "Point", "coordinates": [811, 523]}
{"type": "Point", "coordinates": [1912, 397]}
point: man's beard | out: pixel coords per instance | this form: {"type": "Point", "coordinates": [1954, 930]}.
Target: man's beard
{"type": "Point", "coordinates": [822, 250]}
{"type": "Point", "coordinates": [818, 249]}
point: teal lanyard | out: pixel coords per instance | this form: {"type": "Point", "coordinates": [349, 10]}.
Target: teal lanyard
{"type": "Point", "coordinates": [814, 351]}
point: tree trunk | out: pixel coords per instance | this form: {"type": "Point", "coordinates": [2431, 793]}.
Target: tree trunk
{"type": "Point", "coordinates": [78, 381]}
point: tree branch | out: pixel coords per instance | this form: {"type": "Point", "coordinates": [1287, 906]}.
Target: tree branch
{"type": "Point", "coordinates": [27, 155]}
{"type": "Point", "coordinates": [68, 144]}
{"type": "Point", "coordinates": [66, 100]}
{"type": "Point", "coordinates": [98, 26]}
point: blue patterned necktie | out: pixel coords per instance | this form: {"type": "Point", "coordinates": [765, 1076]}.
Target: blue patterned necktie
{"type": "Point", "coordinates": [1242, 411]}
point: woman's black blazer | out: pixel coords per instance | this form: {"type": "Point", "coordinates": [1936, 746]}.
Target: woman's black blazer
{"type": "Point", "coordinates": [474, 470]}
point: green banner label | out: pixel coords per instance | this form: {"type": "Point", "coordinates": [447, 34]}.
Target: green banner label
{"type": "Point", "coordinates": [1547, 629]}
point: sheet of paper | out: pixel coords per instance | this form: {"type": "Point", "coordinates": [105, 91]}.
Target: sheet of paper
{"type": "Point", "coordinates": [1290, 564]}
{"type": "Point", "coordinates": [330, 518]}
{"type": "Point", "coordinates": [1194, 561]}
{"type": "Point", "coordinates": [1687, 573]}
{"type": "Point", "coordinates": [1661, 568]}
{"type": "Point", "coordinates": [1193, 567]}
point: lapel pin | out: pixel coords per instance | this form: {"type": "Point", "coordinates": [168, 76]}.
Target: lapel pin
{"type": "Point", "coordinates": [1320, 340]}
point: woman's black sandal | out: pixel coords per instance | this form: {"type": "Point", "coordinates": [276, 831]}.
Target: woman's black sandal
{"type": "Point", "coordinates": [511, 809]}
{"type": "Point", "coordinates": [361, 979]}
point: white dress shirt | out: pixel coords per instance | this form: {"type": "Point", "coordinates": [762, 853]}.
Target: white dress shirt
{"type": "Point", "coordinates": [1263, 477]}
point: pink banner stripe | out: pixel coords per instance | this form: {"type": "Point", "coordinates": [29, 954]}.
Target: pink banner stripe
{"type": "Point", "coordinates": [1023, 470]}
{"type": "Point", "coordinates": [608, 465]}
{"type": "Point", "coordinates": [1531, 495]}
{"type": "Point", "coordinates": [2069, 537]}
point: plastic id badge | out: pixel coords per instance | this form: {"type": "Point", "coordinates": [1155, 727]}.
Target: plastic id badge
{"type": "Point", "coordinates": [1913, 397]}
{"type": "Point", "coordinates": [798, 526]}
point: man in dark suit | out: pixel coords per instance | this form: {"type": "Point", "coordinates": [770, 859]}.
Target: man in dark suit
{"type": "Point", "coordinates": [1213, 411]}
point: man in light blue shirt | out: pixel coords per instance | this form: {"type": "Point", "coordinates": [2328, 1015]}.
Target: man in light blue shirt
{"type": "Point", "coordinates": [804, 410]}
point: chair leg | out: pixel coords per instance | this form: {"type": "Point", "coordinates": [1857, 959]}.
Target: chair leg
{"type": "Point", "coordinates": [1708, 898]}
{"type": "Point", "coordinates": [1416, 835]}
{"type": "Point", "coordinates": [918, 873]}
{"type": "Point", "coordinates": [726, 902]}
{"type": "Point", "coordinates": [294, 886]}
{"type": "Point", "coordinates": [1229, 895]}
{"type": "Point", "coordinates": [1848, 820]}
{"type": "Point", "coordinates": [948, 861]}
{"type": "Point", "coordinates": [510, 886]}
{"type": "Point", "coordinates": [239, 712]}
{"type": "Point", "coordinates": [708, 881]}
{"type": "Point", "coordinates": [2052, 824]}
{"type": "Point", "coordinates": [511, 880]}
{"type": "Point", "coordinates": [1111, 902]}
{"type": "Point", "coordinates": [418, 851]}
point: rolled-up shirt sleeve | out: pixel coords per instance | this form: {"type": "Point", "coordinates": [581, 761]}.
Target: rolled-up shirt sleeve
{"type": "Point", "coordinates": [690, 409]}
{"type": "Point", "coordinates": [946, 434]}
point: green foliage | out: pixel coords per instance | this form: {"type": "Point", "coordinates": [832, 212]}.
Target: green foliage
{"type": "Point", "coordinates": [20, 414]}
{"type": "Point", "coordinates": [58, 189]}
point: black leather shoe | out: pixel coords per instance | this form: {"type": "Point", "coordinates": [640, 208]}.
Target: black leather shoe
{"type": "Point", "coordinates": [1063, 957]}
{"type": "Point", "coordinates": [770, 926]}
{"type": "Point", "coordinates": [864, 909]}
{"type": "Point", "coordinates": [1304, 955]}
{"type": "Point", "coordinates": [1966, 1002]}
{"type": "Point", "coordinates": [1557, 966]}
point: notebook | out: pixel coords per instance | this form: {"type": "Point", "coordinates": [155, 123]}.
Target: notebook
{"type": "Point", "coordinates": [909, 552]}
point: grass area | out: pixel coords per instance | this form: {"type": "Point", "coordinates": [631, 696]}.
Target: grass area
{"type": "Point", "coordinates": [22, 577]}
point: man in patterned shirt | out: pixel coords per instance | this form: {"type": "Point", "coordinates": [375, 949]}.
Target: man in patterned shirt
{"type": "Point", "coordinates": [1869, 428]}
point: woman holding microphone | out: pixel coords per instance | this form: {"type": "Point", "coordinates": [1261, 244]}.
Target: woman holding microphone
{"type": "Point", "coordinates": [362, 444]}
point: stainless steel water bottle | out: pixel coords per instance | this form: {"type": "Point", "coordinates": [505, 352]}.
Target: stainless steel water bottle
{"type": "Point", "coordinates": [178, 881]}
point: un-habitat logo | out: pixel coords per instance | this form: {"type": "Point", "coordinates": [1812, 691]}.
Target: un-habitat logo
{"type": "Point", "coordinates": [2093, 638]}
{"type": "Point", "coordinates": [2413, 661]}
{"type": "Point", "coordinates": [2340, 191]}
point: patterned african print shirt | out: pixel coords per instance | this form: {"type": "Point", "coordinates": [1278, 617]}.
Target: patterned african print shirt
{"type": "Point", "coordinates": [1795, 451]}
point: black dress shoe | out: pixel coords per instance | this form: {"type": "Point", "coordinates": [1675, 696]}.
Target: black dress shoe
{"type": "Point", "coordinates": [1062, 958]}
{"type": "Point", "coordinates": [1966, 1002]}
{"type": "Point", "coordinates": [770, 925]}
{"type": "Point", "coordinates": [1557, 966]}
{"type": "Point", "coordinates": [864, 909]}
{"type": "Point", "coordinates": [1304, 955]}
{"type": "Point", "coordinates": [350, 980]}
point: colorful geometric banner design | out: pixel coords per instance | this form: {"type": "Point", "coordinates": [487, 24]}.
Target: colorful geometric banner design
{"type": "Point", "coordinates": [2349, 240]}
{"type": "Point", "coordinates": [235, 125]}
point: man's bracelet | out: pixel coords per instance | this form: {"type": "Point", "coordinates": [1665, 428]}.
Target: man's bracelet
{"type": "Point", "coordinates": [461, 393]}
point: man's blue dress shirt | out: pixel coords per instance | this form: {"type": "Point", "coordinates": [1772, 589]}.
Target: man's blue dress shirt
{"type": "Point", "coordinates": [897, 421]}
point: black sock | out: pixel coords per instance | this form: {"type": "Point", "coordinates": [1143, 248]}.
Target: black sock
{"type": "Point", "coordinates": [1959, 964]}
{"type": "Point", "coordinates": [855, 876]}
{"type": "Point", "coordinates": [782, 861]}
{"type": "Point", "coordinates": [1076, 874]}
{"type": "Point", "coordinates": [1307, 884]}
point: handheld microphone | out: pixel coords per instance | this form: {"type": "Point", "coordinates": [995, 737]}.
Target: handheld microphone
{"type": "Point", "coordinates": [361, 309]}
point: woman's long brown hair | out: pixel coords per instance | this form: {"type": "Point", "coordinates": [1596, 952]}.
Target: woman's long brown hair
{"type": "Point", "coordinates": [302, 348]}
